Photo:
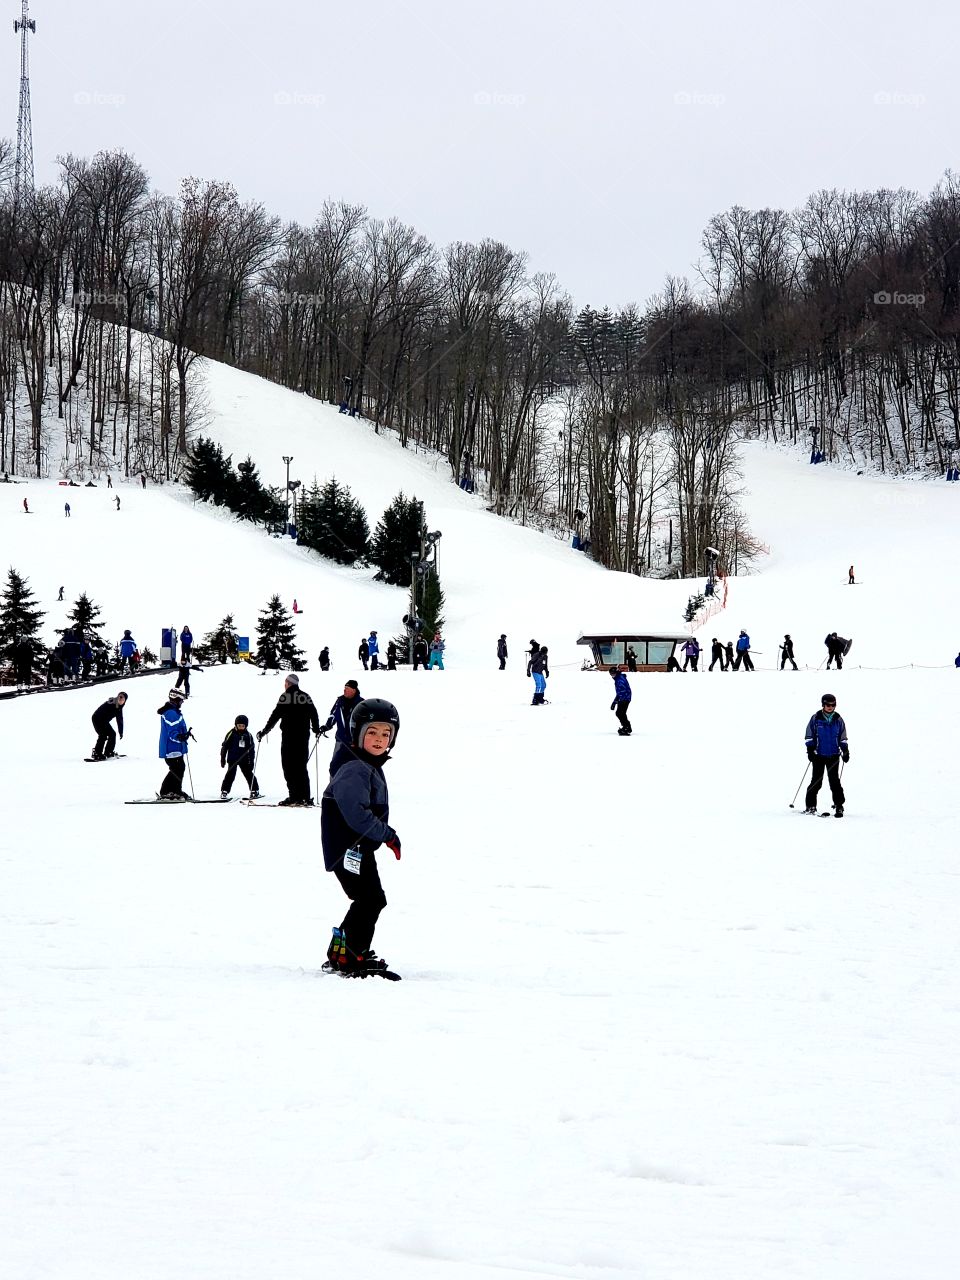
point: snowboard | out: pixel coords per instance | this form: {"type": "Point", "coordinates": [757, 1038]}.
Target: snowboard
{"type": "Point", "coordinates": [117, 755]}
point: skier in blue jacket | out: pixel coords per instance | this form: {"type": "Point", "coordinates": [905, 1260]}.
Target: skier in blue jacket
{"type": "Point", "coordinates": [826, 742]}
{"type": "Point", "coordinates": [373, 648]}
{"type": "Point", "coordinates": [621, 701]}
{"type": "Point", "coordinates": [743, 653]}
{"type": "Point", "coordinates": [339, 715]}
{"type": "Point", "coordinates": [173, 746]}
{"type": "Point", "coordinates": [128, 647]}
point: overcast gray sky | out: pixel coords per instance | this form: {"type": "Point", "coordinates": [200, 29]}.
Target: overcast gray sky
{"type": "Point", "coordinates": [599, 137]}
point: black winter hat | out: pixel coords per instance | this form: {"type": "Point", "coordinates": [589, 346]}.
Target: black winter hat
{"type": "Point", "coordinates": [241, 720]}
{"type": "Point", "coordinates": [352, 684]}
{"type": "Point", "coordinates": [828, 697]}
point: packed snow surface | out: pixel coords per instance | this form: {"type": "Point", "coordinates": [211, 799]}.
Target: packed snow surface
{"type": "Point", "coordinates": [653, 1023]}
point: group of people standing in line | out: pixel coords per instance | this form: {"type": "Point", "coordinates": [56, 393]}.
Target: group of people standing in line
{"type": "Point", "coordinates": [429, 656]}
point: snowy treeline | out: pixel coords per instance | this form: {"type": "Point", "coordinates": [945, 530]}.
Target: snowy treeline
{"type": "Point", "coordinates": [834, 325]}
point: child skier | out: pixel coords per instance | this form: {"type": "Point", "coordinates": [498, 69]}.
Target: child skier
{"type": "Point", "coordinates": [354, 823]}
{"type": "Point", "coordinates": [173, 746]}
{"type": "Point", "coordinates": [237, 752]}
{"type": "Point", "coordinates": [826, 742]}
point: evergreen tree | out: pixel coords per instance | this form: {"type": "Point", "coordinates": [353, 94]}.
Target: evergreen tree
{"type": "Point", "coordinates": [431, 604]}
{"type": "Point", "coordinates": [276, 638]}
{"type": "Point", "coordinates": [247, 496]}
{"type": "Point", "coordinates": [216, 641]}
{"type": "Point", "coordinates": [399, 533]}
{"type": "Point", "coordinates": [208, 473]}
{"type": "Point", "coordinates": [83, 617]}
{"type": "Point", "coordinates": [333, 523]}
{"type": "Point", "coordinates": [20, 617]}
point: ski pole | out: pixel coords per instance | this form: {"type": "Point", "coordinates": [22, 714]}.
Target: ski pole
{"type": "Point", "coordinates": [193, 794]}
{"type": "Point", "coordinates": [797, 792]}
{"type": "Point", "coordinates": [256, 757]}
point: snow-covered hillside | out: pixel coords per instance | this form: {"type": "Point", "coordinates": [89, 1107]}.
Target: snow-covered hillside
{"type": "Point", "coordinates": [653, 1023]}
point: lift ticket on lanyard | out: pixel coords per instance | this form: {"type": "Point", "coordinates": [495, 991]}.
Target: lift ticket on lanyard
{"type": "Point", "coordinates": [351, 861]}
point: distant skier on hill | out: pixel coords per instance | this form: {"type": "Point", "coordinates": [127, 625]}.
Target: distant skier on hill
{"type": "Point", "coordinates": [691, 654]}
{"type": "Point", "coordinates": [717, 654]}
{"type": "Point", "coordinates": [956, 661]}
{"type": "Point", "coordinates": [373, 649]}
{"type": "Point", "coordinates": [324, 659]}
{"type": "Point", "coordinates": [363, 653]}
{"type": "Point", "coordinates": [835, 647]}
{"type": "Point", "coordinates": [631, 658]}
{"type": "Point", "coordinates": [538, 668]}
{"type": "Point", "coordinates": [186, 644]}
{"type": "Point", "coordinates": [391, 656]}
{"type": "Point", "coordinates": [128, 647]}
{"type": "Point", "coordinates": [826, 743]}
{"type": "Point", "coordinates": [851, 580]}
{"type": "Point", "coordinates": [743, 653]}
{"type": "Point", "coordinates": [502, 650]}
{"type": "Point", "coordinates": [420, 653]}
{"type": "Point", "coordinates": [621, 700]}
{"type": "Point", "coordinates": [786, 653]}
{"type": "Point", "coordinates": [729, 652]}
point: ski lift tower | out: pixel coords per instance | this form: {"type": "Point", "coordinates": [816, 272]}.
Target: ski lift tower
{"type": "Point", "coordinates": [23, 172]}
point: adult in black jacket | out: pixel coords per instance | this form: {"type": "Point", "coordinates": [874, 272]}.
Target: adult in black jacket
{"type": "Point", "coordinates": [502, 651]}
{"type": "Point", "coordinates": [340, 714]}
{"type": "Point", "coordinates": [296, 716]}
{"type": "Point", "coordinates": [835, 647]}
{"type": "Point", "coordinates": [421, 653]}
{"type": "Point", "coordinates": [717, 654]}
{"type": "Point", "coordinates": [22, 655]}
{"type": "Point", "coordinates": [363, 653]}
{"type": "Point", "coordinates": [786, 654]}
{"type": "Point", "coordinates": [324, 659]}
{"type": "Point", "coordinates": [112, 709]}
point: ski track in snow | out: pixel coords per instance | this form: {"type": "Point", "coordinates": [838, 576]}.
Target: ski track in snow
{"type": "Point", "coordinates": [651, 1025]}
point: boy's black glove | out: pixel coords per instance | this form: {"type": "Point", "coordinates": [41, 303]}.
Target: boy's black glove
{"type": "Point", "coordinates": [811, 754]}
{"type": "Point", "coordinates": [613, 705]}
{"type": "Point", "coordinates": [845, 755]}
{"type": "Point", "coordinates": [323, 730]}
{"type": "Point", "coordinates": [259, 735]}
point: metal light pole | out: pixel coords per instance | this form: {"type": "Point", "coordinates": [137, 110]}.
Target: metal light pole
{"type": "Point", "coordinates": [414, 563]}
{"type": "Point", "coordinates": [286, 496]}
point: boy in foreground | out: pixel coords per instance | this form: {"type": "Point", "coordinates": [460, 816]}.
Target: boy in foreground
{"type": "Point", "coordinates": [353, 823]}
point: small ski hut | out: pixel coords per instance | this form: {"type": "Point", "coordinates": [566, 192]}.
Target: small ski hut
{"type": "Point", "coordinates": [653, 650]}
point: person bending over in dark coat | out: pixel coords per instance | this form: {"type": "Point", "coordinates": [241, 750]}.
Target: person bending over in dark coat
{"type": "Point", "coordinates": [112, 709]}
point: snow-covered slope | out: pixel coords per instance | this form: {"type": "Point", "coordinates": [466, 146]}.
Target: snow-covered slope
{"type": "Point", "coordinates": [652, 1024]}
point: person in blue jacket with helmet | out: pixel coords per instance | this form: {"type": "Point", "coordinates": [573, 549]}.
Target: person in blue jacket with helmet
{"type": "Point", "coordinates": [826, 742]}
{"type": "Point", "coordinates": [621, 701]}
{"type": "Point", "coordinates": [173, 746]}
{"type": "Point", "coordinates": [743, 653]}
{"type": "Point", "coordinates": [340, 714]}
{"type": "Point", "coordinates": [128, 647]}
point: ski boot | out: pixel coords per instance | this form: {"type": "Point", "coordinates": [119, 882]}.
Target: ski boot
{"type": "Point", "coordinates": [811, 810]}
{"type": "Point", "coordinates": [838, 811]}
